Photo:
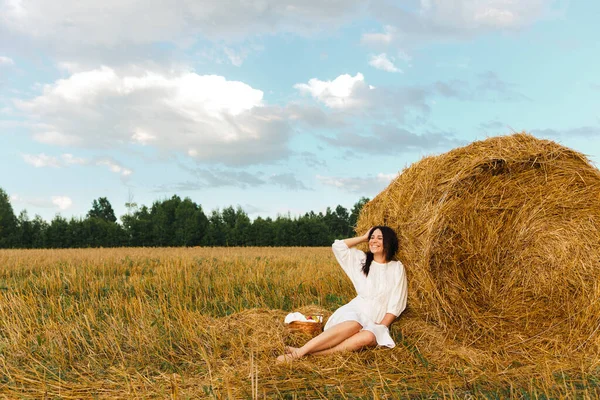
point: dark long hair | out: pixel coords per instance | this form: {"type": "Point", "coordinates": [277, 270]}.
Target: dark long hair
{"type": "Point", "coordinates": [390, 246]}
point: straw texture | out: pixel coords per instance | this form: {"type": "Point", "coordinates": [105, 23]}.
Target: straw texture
{"type": "Point", "coordinates": [501, 241]}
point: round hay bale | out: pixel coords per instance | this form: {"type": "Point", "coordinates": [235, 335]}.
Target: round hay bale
{"type": "Point", "coordinates": [501, 242]}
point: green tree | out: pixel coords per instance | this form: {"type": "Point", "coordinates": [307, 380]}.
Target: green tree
{"type": "Point", "coordinates": [138, 228]}
{"type": "Point", "coordinates": [236, 226]}
{"type": "Point", "coordinates": [58, 234]}
{"type": "Point", "coordinates": [285, 230]}
{"type": "Point", "coordinates": [241, 229]}
{"type": "Point", "coordinates": [96, 232]}
{"type": "Point", "coordinates": [107, 234]}
{"type": "Point", "coordinates": [312, 230]}
{"type": "Point", "coordinates": [24, 236]}
{"type": "Point", "coordinates": [30, 233]}
{"type": "Point", "coordinates": [174, 222]}
{"type": "Point", "coordinates": [190, 223]}
{"type": "Point", "coordinates": [163, 221]}
{"type": "Point", "coordinates": [356, 212]}
{"type": "Point", "coordinates": [338, 223]}
{"type": "Point", "coordinates": [103, 210]}
{"type": "Point", "coordinates": [261, 232]}
{"type": "Point", "coordinates": [39, 229]}
{"type": "Point", "coordinates": [8, 222]}
{"type": "Point", "coordinates": [100, 228]}
{"type": "Point", "coordinates": [228, 216]}
{"type": "Point", "coordinates": [81, 235]}
{"type": "Point", "coordinates": [216, 233]}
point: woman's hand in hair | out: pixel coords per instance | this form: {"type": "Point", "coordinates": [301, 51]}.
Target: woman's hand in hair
{"type": "Point", "coordinates": [351, 242]}
{"type": "Point", "coordinates": [365, 237]}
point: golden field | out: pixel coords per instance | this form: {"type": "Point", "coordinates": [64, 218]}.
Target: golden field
{"type": "Point", "coordinates": [208, 323]}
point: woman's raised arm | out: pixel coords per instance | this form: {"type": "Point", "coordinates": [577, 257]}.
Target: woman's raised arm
{"type": "Point", "coordinates": [351, 242]}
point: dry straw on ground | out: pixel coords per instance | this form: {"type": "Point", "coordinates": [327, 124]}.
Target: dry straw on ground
{"type": "Point", "coordinates": [501, 240]}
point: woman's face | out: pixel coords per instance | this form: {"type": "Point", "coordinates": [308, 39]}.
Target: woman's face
{"type": "Point", "coordinates": [376, 243]}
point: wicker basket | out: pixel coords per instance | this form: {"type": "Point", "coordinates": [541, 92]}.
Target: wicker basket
{"type": "Point", "coordinates": [310, 328]}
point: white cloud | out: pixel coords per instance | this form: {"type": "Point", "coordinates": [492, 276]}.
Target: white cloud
{"type": "Point", "coordinates": [87, 32]}
{"type": "Point", "coordinates": [451, 19]}
{"type": "Point", "coordinates": [41, 160]}
{"type": "Point", "coordinates": [65, 160]}
{"type": "Point", "coordinates": [288, 181]}
{"type": "Point", "coordinates": [57, 202]}
{"type": "Point", "coordinates": [495, 14]}
{"type": "Point", "coordinates": [56, 138]}
{"type": "Point", "coordinates": [88, 24]}
{"type": "Point", "coordinates": [188, 90]}
{"type": "Point", "coordinates": [221, 120]}
{"type": "Point", "coordinates": [370, 185]}
{"type": "Point", "coordinates": [69, 67]}
{"type": "Point", "coordinates": [339, 93]}
{"type": "Point", "coordinates": [375, 39]}
{"type": "Point", "coordinates": [235, 57]}
{"type": "Point", "coordinates": [217, 178]}
{"type": "Point", "coordinates": [233, 53]}
{"type": "Point", "coordinates": [251, 209]}
{"type": "Point", "coordinates": [386, 177]}
{"type": "Point", "coordinates": [69, 159]}
{"type": "Point", "coordinates": [330, 181]}
{"type": "Point", "coordinates": [488, 87]}
{"type": "Point", "coordinates": [404, 56]}
{"type": "Point", "coordinates": [582, 131]}
{"type": "Point", "coordinates": [494, 125]}
{"type": "Point", "coordinates": [381, 61]}
{"type": "Point", "coordinates": [117, 22]}
{"type": "Point", "coordinates": [348, 98]}
{"type": "Point", "coordinates": [6, 61]}
{"type": "Point", "coordinates": [115, 167]}
{"type": "Point", "coordinates": [62, 202]}
{"type": "Point", "coordinates": [142, 137]}
{"type": "Point", "coordinates": [391, 139]}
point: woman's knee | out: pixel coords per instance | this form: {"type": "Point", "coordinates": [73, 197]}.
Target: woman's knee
{"type": "Point", "coordinates": [366, 339]}
{"type": "Point", "coordinates": [352, 326]}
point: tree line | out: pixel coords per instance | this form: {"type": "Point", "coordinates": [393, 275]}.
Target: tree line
{"type": "Point", "coordinates": [173, 222]}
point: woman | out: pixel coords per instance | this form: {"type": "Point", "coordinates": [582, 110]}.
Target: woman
{"type": "Point", "coordinates": [380, 283]}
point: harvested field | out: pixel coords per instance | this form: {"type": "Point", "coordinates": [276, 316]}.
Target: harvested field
{"type": "Point", "coordinates": [207, 323]}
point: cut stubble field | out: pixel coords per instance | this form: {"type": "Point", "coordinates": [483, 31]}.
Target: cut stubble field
{"type": "Point", "coordinates": [208, 323]}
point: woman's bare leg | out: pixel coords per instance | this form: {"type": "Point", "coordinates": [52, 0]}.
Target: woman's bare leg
{"type": "Point", "coordinates": [327, 339]}
{"type": "Point", "coordinates": [355, 342]}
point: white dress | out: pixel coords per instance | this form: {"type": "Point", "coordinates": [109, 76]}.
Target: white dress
{"type": "Point", "coordinates": [383, 291]}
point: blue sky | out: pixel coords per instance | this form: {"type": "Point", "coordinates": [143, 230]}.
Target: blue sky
{"type": "Point", "coordinates": [276, 106]}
